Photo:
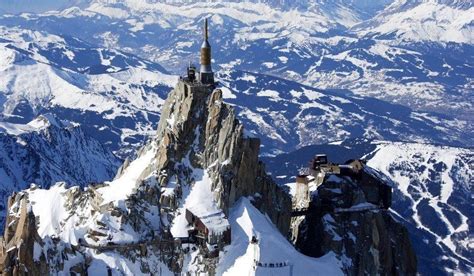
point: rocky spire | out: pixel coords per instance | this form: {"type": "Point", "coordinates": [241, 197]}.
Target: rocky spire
{"type": "Point", "coordinates": [142, 214]}
{"type": "Point", "coordinates": [17, 256]}
{"type": "Point", "coordinates": [207, 133]}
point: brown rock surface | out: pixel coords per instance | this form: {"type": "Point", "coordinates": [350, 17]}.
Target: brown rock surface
{"type": "Point", "coordinates": [365, 237]}
{"type": "Point", "coordinates": [17, 256]}
{"type": "Point", "coordinates": [198, 125]}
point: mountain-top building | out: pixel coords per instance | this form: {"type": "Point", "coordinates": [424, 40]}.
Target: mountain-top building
{"type": "Point", "coordinates": [210, 229]}
{"type": "Point", "coordinates": [206, 74]}
{"type": "Point", "coordinates": [342, 208]}
{"type": "Point", "coordinates": [376, 188]}
{"type": "Point", "coordinates": [205, 77]}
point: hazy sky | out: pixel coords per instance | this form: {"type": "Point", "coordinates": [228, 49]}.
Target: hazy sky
{"type": "Point", "coordinates": [17, 6]}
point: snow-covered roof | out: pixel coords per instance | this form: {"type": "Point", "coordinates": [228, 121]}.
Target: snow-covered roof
{"type": "Point", "coordinates": [205, 208]}
{"type": "Point", "coordinates": [200, 202]}
{"type": "Point", "coordinates": [215, 222]}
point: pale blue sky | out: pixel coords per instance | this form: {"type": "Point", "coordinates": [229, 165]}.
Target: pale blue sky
{"type": "Point", "coordinates": [16, 6]}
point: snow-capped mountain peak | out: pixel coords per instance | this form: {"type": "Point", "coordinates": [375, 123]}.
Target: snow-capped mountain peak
{"type": "Point", "coordinates": [197, 184]}
{"type": "Point", "coordinates": [430, 20]}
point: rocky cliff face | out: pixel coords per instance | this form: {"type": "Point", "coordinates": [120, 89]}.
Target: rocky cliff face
{"type": "Point", "coordinates": [17, 255]}
{"type": "Point", "coordinates": [200, 158]}
{"type": "Point", "coordinates": [202, 130]}
{"type": "Point", "coordinates": [347, 214]}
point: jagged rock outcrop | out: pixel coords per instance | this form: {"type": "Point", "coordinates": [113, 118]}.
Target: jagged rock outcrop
{"type": "Point", "coordinates": [17, 246]}
{"type": "Point", "coordinates": [136, 216]}
{"type": "Point", "coordinates": [348, 215]}
{"type": "Point", "coordinates": [201, 128]}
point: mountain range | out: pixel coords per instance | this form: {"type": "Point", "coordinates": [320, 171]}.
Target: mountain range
{"type": "Point", "coordinates": [299, 73]}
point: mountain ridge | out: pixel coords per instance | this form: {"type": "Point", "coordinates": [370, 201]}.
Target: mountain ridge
{"type": "Point", "coordinates": [301, 45]}
{"type": "Point", "coordinates": [342, 77]}
{"type": "Point", "coordinates": [196, 182]}
{"type": "Point", "coordinates": [47, 150]}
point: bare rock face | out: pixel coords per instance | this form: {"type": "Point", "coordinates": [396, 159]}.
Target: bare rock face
{"type": "Point", "coordinates": [17, 256]}
{"type": "Point", "coordinates": [348, 215]}
{"type": "Point", "coordinates": [199, 127]}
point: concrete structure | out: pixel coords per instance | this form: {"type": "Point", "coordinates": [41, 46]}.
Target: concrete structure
{"type": "Point", "coordinates": [203, 81]}
{"type": "Point", "coordinates": [302, 192]}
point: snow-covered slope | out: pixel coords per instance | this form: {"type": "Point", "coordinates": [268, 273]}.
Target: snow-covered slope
{"type": "Point", "coordinates": [347, 12]}
{"type": "Point", "coordinates": [272, 249]}
{"type": "Point", "coordinates": [311, 44]}
{"type": "Point", "coordinates": [115, 97]}
{"type": "Point", "coordinates": [45, 151]}
{"type": "Point", "coordinates": [432, 20]}
{"type": "Point", "coordinates": [74, 220]}
{"type": "Point", "coordinates": [53, 209]}
{"type": "Point", "coordinates": [433, 196]}
{"type": "Point", "coordinates": [55, 218]}
{"type": "Point", "coordinates": [287, 115]}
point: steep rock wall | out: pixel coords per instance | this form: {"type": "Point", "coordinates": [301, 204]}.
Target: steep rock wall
{"type": "Point", "coordinates": [364, 235]}
{"type": "Point", "coordinates": [198, 126]}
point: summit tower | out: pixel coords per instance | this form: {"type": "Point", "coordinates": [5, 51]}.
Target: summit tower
{"type": "Point", "coordinates": [206, 74]}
